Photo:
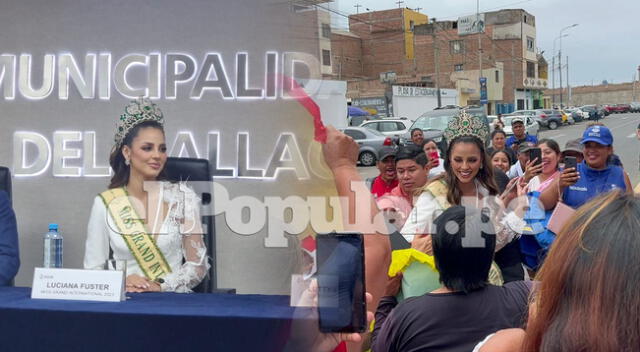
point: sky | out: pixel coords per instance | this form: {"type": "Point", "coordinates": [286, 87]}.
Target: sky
{"type": "Point", "coordinates": [604, 46]}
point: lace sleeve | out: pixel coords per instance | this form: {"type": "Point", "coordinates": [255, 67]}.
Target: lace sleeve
{"type": "Point", "coordinates": [194, 251]}
{"type": "Point", "coordinates": [508, 227]}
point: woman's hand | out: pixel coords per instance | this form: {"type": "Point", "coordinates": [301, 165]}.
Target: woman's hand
{"type": "Point", "coordinates": [531, 169]}
{"type": "Point", "coordinates": [136, 283]}
{"type": "Point", "coordinates": [510, 191]}
{"type": "Point", "coordinates": [393, 285]}
{"type": "Point", "coordinates": [154, 287]}
{"type": "Point", "coordinates": [522, 187]}
{"type": "Point", "coordinates": [311, 338]}
{"type": "Point", "coordinates": [568, 177]}
{"type": "Point", "coordinates": [422, 243]}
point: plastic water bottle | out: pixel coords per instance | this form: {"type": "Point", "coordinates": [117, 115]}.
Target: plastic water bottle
{"type": "Point", "coordinates": [53, 248]}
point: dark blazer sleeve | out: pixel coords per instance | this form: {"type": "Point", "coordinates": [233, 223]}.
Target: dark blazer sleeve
{"type": "Point", "coordinates": [9, 253]}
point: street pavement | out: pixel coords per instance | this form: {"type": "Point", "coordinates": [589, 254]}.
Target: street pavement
{"type": "Point", "coordinates": [625, 143]}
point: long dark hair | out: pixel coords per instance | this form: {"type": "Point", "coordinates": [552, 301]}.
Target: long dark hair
{"type": "Point", "coordinates": [116, 159]}
{"type": "Point", "coordinates": [588, 297]}
{"type": "Point", "coordinates": [485, 174]}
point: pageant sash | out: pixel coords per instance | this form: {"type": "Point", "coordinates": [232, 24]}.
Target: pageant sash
{"type": "Point", "coordinates": [131, 227]}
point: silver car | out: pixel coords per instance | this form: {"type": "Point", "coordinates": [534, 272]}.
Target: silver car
{"type": "Point", "coordinates": [389, 126]}
{"type": "Point", "coordinates": [530, 125]}
{"type": "Point", "coordinates": [370, 142]}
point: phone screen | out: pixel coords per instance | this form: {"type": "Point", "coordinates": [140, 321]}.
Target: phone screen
{"type": "Point", "coordinates": [341, 286]}
{"type": "Point", "coordinates": [570, 162]}
{"type": "Point", "coordinates": [535, 153]}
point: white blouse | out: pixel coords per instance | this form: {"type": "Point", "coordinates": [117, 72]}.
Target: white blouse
{"type": "Point", "coordinates": [183, 249]}
{"type": "Point", "coordinates": [427, 208]}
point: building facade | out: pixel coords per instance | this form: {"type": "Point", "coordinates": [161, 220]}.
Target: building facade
{"type": "Point", "coordinates": [433, 53]}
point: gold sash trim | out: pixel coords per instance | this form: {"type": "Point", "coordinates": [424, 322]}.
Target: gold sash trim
{"type": "Point", "coordinates": [135, 235]}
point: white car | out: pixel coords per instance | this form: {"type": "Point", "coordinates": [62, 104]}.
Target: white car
{"type": "Point", "coordinates": [531, 127]}
{"type": "Point", "coordinates": [389, 126]}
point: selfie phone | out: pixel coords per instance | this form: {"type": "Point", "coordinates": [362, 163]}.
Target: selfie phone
{"type": "Point", "coordinates": [570, 162]}
{"type": "Point", "coordinates": [510, 188]}
{"type": "Point", "coordinates": [435, 158]}
{"type": "Point", "coordinates": [341, 286]}
{"type": "Point", "coordinates": [535, 153]}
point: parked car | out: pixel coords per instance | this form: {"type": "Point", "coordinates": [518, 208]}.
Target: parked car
{"type": "Point", "coordinates": [550, 118]}
{"type": "Point", "coordinates": [593, 111]}
{"type": "Point", "coordinates": [389, 126]}
{"type": "Point", "coordinates": [433, 124]}
{"type": "Point", "coordinates": [635, 106]}
{"type": "Point", "coordinates": [619, 108]}
{"type": "Point", "coordinates": [577, 114]}
{"type": "Point", "coordinates": [530, 124]}
{"type": "Point", "coordinates": [537, 115]}
{"type": "Point", "coordinates": [358, 119]}
{"type": "Point", "coordinates": [370, 142]}
{"type": "Point", "coordinates": [604, 110]}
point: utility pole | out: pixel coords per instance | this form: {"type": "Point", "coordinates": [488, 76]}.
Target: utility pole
{"type": "Point", "coordinates": [568, 85]}
{"type": "Point", "coordinates": [638, 75]}
{"type": "Point", "coordinates": [553, 81]}
{"type": "Point", "coordinates": [436, 61]}
{"type": "Point", "coordinates": [399, 2]}
{"type": "Point", "coordinates": [417, 9]}
{"type": "Point", "coordinates": [633, 79]}
{"type": "Point", "coordinates": [560, 74]}
{"type": "Point", "coordinates": [357, 6]}
{"type": "Point", "coordinates": [560, 58]}
{"type": "Point", "coordinates": [479, 52]}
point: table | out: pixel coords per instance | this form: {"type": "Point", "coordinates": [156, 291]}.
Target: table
{"type": "Point", "coordinates": [145, 322]}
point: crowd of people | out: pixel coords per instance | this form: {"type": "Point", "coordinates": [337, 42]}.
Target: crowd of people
{"type": "Point", "coordinates": [508, 279]}
{"type": "Point", "coordinates": [531, 251]}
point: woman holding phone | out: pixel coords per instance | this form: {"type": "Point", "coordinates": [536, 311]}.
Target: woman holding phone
{"type": "Point", "coordinates": [535, 244]}
{"type": "Point", "coordinates": [430, 148]}
{"type": "Point", "coordinates": [576, 186]}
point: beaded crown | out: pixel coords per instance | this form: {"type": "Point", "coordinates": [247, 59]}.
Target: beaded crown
{"type": "Point", "coordinates": [465, 124]}
{"type": "Point", "coordinates": [136, 112]}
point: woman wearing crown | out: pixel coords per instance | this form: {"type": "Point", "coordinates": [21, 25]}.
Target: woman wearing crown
{"type": "Point", "coordinates": [468, 181]}
{"type": "Point", "coordinates": [152, 226]}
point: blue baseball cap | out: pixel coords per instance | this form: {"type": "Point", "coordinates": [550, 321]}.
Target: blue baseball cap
{"type": "Point", "coordinates": [598, 134]}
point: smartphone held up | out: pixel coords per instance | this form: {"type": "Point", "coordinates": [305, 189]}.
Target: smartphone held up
{"type": "Point", "coordinates": [535, 153]}
{"type": "Point", "coordinates": [341, 282]}
{"type": "Point", "coordinates": [570, 162]}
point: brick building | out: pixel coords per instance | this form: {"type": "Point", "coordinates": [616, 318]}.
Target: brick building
{"type": "Point", "coordinates": [406, 43]}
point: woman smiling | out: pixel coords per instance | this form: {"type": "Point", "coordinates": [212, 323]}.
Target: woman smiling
{"type": "Point", "coordinates": [468, 181]}
{"type": "Point", "coordinates": [592, 176]}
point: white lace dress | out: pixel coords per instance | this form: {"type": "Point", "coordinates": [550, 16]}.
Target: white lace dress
{"type": "Point", "coordinates": [180, 239]}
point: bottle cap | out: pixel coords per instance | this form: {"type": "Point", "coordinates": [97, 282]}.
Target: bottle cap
{"type": "Point", "coordinates": [53, 227]}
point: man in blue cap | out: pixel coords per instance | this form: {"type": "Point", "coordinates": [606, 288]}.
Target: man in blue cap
{"type": "Point", "coordinates": [594, 175]}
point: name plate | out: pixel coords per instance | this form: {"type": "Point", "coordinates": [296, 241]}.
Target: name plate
{"type": "Point", "coordinates": [78, 284]}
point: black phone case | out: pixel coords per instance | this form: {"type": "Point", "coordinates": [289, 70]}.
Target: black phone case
{"type": "Point", "coordinates": [570, 162]}
{"type": "Point", "coordinates": [362, 313]}
{"type": "Point", "coordinates": [535, 153]}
